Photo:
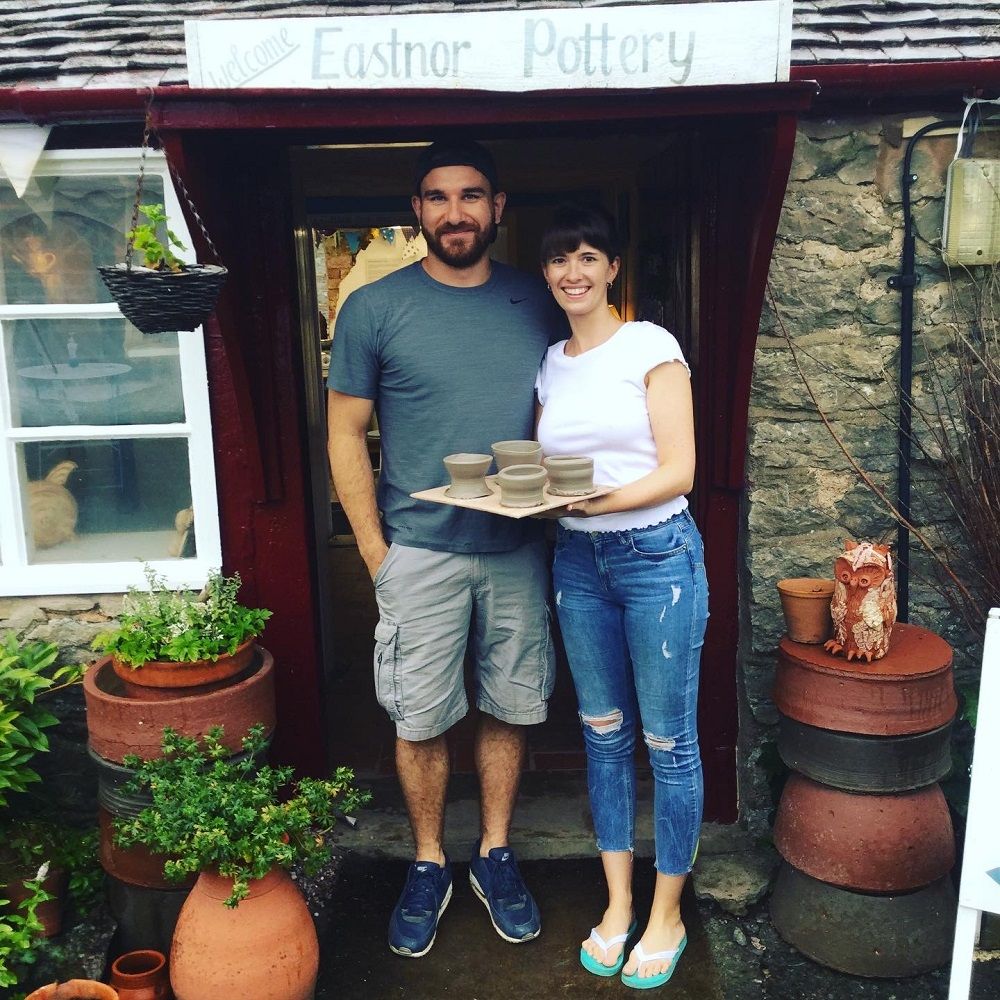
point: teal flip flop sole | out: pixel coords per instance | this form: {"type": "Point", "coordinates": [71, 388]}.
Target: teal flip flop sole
{"type": "Point", "coordinates": [596, 968]}
{"type": "Point", "coordinates": [651, 982]}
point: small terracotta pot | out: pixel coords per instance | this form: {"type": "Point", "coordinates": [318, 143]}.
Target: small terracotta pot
{"type": "Point", "coordinates": [509, 453]}
{"type": "Point", "coordinates": [468, 475]}
{"type": "Point", "coordinates": [201, 674]}
{"type": "Point", "coordinates": [570, 475]}
{"type": "Point", "coordinates": [806, 604]}
{"type": "Point", "coordinates": [74, 989]}
{"type": "Point", "coordinates": [521, 486]}
{"type": "Point", "coordinates": [141, 975]}
{"type": "Point", "coordinates": [48, 913]}
{"type": "Point", "coordinates": [266, 948]}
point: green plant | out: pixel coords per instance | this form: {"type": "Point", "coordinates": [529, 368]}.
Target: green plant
{"type": "Point", "coordinates": [214, 811]}
{"type": "Point", "coordinates": [27, 673]}
{"type": "Point", "coordinates": [153, 239]}
{"type": "Point", "coordinates": [181, 626]}
{"type": "Point", "coordinates": [21, 930]}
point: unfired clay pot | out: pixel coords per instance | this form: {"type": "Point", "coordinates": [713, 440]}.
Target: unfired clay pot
{"type": "Point", "coordinates": [265, 949]}
{"type": "Point", "coordinates": [521, 485]}
{"type": "Point", "coordinates": [74, 989]}
{"type": "Point", "coordinates": [509, 453]}
{"type": "Point", "coordinates": [570, 475]}
{"type": "Point", "coordinates": [468, 475]}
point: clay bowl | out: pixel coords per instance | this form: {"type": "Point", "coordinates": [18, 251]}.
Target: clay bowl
{"type": "Point", "coordinates": [806, 605]}
{"type": "Point", "coordinates": [522, 485]}
{"type": "Point", "coordinates": [570, 475]}
{"type": "Point", "coordinates": [74, 989]}
{"type": "Point", "coordinates": [857, 762]}
{"type": "Point", "coordinates": [872, 843]}
{"type": "Point", "coordinates": [468, 475]}
{"type": "Point", "coordinates": [507, 453]}
{"type": "Point", "coordinates": [903, 934]}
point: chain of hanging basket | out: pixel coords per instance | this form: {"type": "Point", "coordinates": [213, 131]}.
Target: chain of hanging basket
{"type": "Point", "coordinates": [158, 301]}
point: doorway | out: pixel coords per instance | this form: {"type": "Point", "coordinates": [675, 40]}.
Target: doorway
{"type": "Point", "coordinates": [353, 224]}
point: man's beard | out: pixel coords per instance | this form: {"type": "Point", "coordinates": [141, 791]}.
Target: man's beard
{"type": "Point", "coordinates": [461, 256]}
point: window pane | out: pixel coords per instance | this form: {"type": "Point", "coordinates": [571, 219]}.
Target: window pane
{"type": "Point", "coordinates": [91, 371]}
{"type": "Point", "coordinates": [95, 501]}
{"type": "Point", "coordinates": [52, 239]}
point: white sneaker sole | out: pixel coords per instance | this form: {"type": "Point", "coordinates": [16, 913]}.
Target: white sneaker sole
{"type": "Point", "coordinates": [405, 952]}
{"type": "Point", "coordinates": [478, 890]}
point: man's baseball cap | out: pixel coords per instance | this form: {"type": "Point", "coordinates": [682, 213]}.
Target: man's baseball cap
{"type": "Point", "coordinates": [447, 153]}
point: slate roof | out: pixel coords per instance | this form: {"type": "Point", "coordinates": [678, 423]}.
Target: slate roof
{"type": "Point", "coordinates": [124, 43]}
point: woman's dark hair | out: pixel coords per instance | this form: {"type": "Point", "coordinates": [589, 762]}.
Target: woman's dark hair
{"type": "Point", "coordinates": [573, 225]}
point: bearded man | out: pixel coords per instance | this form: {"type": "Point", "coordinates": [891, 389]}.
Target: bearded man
{"type": "Point", "coordinates": [446, 351]}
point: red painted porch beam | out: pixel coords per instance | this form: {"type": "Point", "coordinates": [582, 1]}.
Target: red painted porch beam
{"type": "Point", "coordinates": [187, 108]}
{"type": "Point", "coordinates": [880, 80]}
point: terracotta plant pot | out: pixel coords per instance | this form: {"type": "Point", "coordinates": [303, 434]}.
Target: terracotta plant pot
{"type": "Point", "coordinates": [570, 475]}
{"type": "Point", "coordinates": [74, 989]}
{"type": "Point", "coordinates": [136, 865]}
{"type": "Point", "coordinates": [508, 453]}
{"type": "Point", "coordinates": [141, 975]}
{"type": "Point", "coordinates": [179, 678]}
{"type": "Point", "coordinates": [806, 604]}
{"type": "Point", "coordinates": [468, 475]}
{"type": "Point", "coordinates": [872, 843]}
{"type": "Point", "coordinates": [266, 948]}
{"type": "Point", "coordinates": [910, 690]}
{"type": "Point", "coordinates": [118, 725]}
{"type": "Point", "coordinates": [521, 486]}
{"type": "Point", "coordinates": [50, 912]}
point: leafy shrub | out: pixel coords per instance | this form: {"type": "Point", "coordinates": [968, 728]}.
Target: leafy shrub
{"type": "Point", "coordinates": [20, 929]}
{"type": "Point", "coordinates": [232, 814]}
{"type": "Point", "coordinates": [181, 626]}
{"type": "Point", "coordinates": [153, 239]}
{"type": "Point", "coordinates": [27, 672]}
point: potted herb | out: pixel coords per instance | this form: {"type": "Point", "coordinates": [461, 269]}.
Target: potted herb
{"type": "Point", "coordinates": [163, 293]}
{"type": "Point", "coordinates": [240, 824]}
{"type": "Point", "coordinates": [170, 638]}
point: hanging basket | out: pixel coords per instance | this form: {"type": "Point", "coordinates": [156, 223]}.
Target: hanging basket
{"type": "Point", "coordinates": [163, 301]}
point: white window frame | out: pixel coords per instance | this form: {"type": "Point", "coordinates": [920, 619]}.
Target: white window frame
{"type": "Point", "coordinates": [18, 577]}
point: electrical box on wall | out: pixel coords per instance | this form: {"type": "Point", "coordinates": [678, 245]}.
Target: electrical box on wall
{"type": "Point", "coordinates": [972, 212]}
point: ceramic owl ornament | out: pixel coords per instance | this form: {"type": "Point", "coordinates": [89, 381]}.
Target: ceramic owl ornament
{"type": "Point", "coordinates": [864, 602]}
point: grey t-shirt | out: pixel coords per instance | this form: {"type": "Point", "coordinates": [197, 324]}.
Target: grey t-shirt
{"type": "Point", "coordinates": [450, 370]}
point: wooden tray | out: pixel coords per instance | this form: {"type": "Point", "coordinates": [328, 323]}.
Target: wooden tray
{"type": "Point", "coordinates": [491, 504]}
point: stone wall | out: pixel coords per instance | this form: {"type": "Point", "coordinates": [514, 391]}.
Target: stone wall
{"type": "Point", "coordinates": [839, 240]}
{"type": "Point", "coordinates": [69, 782]}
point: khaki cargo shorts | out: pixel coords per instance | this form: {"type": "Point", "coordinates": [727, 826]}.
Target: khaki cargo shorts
{"type": "Point", "coordinates": [427, 602]}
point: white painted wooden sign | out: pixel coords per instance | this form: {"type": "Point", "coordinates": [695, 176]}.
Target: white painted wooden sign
{"type": "Point", "coordinates": [980, 889]}
{"type": "Point", "coordinates": [663, 45]}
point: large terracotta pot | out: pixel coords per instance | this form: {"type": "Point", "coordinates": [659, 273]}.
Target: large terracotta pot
{"type": "Point", "coordinates": [74, 989]}
{"type": "Point", "coordinates": [141, 975]}
{"type": "Point", "coordinates": [184, 678]}
{"type": "Point", "coordinates": [118, 725]}
{"type": "Point", "coordinates": [266, 948]}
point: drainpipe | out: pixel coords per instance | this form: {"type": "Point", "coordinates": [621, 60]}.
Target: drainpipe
{"type": "Point", "coordinates": [904, 283]}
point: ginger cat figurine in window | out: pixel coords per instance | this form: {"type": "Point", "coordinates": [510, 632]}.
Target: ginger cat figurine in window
{"type": "Point", "coordinates": [51, 507]}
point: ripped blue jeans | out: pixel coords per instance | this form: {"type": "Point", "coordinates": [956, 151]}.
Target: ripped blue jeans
{"type": "Point", "coordinates": [633, 606]}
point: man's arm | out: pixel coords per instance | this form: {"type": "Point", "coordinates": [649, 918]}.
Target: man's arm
{"type": "Point", "coordinates": [348, 418]}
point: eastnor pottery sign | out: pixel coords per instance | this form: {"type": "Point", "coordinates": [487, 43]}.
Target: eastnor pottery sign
{"type": "Point", "coordinates": [671, 45]}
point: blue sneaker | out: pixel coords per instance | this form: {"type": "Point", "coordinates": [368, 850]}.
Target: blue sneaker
{"type": "Point", "coordinates": [497, 881]}
{"type": "Point", "coordinates": [414, 921]}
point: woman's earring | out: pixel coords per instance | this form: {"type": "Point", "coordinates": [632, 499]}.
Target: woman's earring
{"type": "Point", "coordinates": [609, 284]}
{"type": "Point", "coordinates": [548, 288]}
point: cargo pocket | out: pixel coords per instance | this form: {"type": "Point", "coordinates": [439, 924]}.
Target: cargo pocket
{"type": "Point", "coordinates": [387, 669]}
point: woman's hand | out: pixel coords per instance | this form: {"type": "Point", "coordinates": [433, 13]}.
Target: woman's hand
{"type": "Point", "coordinates": [592, 507]}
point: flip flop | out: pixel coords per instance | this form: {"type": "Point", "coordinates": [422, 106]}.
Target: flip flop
{"type": "Point", "coordinates": [651, 982]}
{"type": "Point", "coordinates": [599, 968]}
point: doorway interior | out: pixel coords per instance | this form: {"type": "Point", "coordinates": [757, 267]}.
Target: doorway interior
{"type": "Point", "coordinates": [353, 224]}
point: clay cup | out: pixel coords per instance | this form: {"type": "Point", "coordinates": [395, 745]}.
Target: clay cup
{"type": "Point", "coordinates": [468, 475]}
{"type": "Point", "coordinates": [570, 475]}
{"type": "Point", "coordinates": [509, 453]}
{"type": "Point", "coordinates": [522, 485]}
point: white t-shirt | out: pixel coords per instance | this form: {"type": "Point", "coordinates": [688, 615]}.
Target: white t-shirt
{"type": "Point", "coordinates": [595, 404]}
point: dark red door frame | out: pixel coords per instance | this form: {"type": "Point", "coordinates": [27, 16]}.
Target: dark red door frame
{"type": "Point", "coordinates": [238, 175]}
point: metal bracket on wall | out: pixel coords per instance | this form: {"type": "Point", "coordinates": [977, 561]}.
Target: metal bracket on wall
{"type": "Point", "coordinates": [903, 281]}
